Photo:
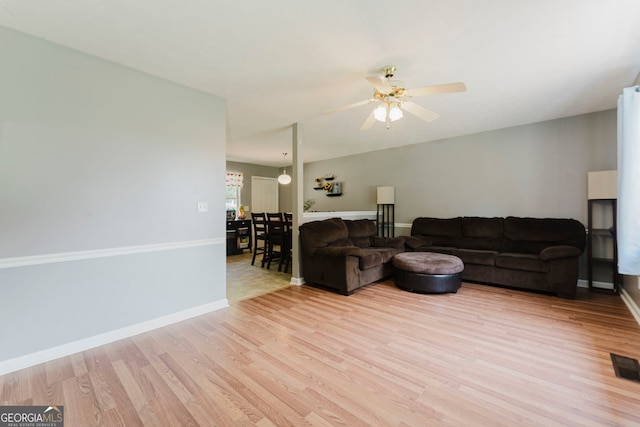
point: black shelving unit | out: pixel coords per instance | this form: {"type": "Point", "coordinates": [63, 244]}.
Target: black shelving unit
{"type": "Point", "coordinates": [385, 220]}
{"type": "Point", "coordinates": [602, 248]}
{"type": "Point", "coordinates": [238, 236]}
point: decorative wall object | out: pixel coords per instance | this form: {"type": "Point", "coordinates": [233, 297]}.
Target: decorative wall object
{"type": "Point", "coordinates": [307, 204]}
{"type": "Point", "coordinates": [334, 189]}
{"type": "Point", "coordinates": [327, 184]}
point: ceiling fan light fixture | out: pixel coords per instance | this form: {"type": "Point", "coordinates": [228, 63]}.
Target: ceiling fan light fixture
{"type": "Point", "coordinates": [284, 179]}
{"type": "Point", "coordinates": [395, 113]}
{"type": "Point", "coordinates": [380, 113]}
{"type": "Point", "coordinates": [393, 99]}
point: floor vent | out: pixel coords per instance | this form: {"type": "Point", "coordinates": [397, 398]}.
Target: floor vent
{"type": "Point", "coordinates": [626, 367]}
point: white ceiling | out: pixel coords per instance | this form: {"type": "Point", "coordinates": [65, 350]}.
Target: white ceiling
{"type": "Point", "coordinates": [280, 62]}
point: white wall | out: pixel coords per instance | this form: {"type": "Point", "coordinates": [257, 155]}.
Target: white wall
{"type": "Point", "coordinates": [537, 170]}
{"type": "Point", "coordinates": [102, 162]}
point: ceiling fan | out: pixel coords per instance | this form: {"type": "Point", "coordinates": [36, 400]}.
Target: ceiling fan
{"type": "Point", "coordinates": [393, 99]}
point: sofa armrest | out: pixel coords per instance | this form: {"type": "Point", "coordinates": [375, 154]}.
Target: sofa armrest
{"type": "Point", "coordinates": [389, 242]}
{"type": "Point", "coordinates": [555, 252]}
{"type": "Point", "coordinates": [340, 251]}
{"type": "Point", "coordinates": [414, 242]}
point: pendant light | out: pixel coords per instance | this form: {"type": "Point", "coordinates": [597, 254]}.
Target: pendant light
{"type": "Point", "coordinates": [284, 179]}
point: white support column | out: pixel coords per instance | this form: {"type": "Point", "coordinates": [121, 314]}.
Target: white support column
{"type": "Point", "coordinates": [298, 177]}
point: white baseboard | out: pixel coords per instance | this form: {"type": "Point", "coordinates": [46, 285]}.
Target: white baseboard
{"type": "Point", "coordinates": [598, 285]}
{"type": "Point", "coordinates": [631, 305]}
{"type": "Point", "coordinates": [49, 354]}
{"type": "Point", "coordinates": [297, 280]}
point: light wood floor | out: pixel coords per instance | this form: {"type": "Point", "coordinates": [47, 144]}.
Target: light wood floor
{"type": "Point", "coordinates": [380, 357]}
{"type": "Point", "coordinates": [247, 281]}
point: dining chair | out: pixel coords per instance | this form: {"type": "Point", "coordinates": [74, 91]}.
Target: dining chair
{"type": "Point", "coordinates": [285, 259]}
{"type": "Point", "coordinates": [275, 237]}
{"type": "Point", "coordinates": [259, 221]}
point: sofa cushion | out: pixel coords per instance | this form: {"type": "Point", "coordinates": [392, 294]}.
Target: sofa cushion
{"type": "Point", "coordinates": [526, 262]}
{"type": "Point", "coordinates": [390, 242]}
{"type": "Point", "coordinates": [370, 259]}
{"type": "Point", "coordinates": [414, 242]}
{"type": "Point", "coordinates": [341, 242]}
{"type": "Point", "coordinates": [338, 251]}
{"type": "Point", "coordinates": [477, 256]}
{"type": "Point", "coordinates": [361, 231]}
{"type": "Point", "coordinates": [386, 253]}
{"type": "Point", "coordinates": [555, 252]}
{"type": "Point", "coordinates": [361, 242]}
{"type": "Point", "coordinates": [440, 231]}
{"type": "Point", "coordinates": [319, 234]}
{"type": "Point", "coordinates": [532, 235]}
{"type": "Point", "coordinates": [482, 233]}
{"type": "Point", "coordinates": [448, 250]}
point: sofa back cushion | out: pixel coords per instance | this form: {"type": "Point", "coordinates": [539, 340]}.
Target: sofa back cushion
{"type": "Point", "coordinates": [532, 235]}
{"type": "Point", "coordinates": [361, 231]}
{"type": "Point", "coordinates": [440, 231]}
{"type": "Point", "coordinates": [319, 234]}
{"type": "Point", "coordinates": [482, 233]}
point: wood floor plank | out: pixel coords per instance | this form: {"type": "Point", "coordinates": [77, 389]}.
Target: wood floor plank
{"type": "Point", "coordinates": [79, 394]}
{"type": "Point", "coordinates": [200, 404]}
{"type": "Point", "coordinates": [165, 403]}
{"type": "Point", "coordinates": [110, 392]}
{"type": "Point", "coordinates": [134, 390]}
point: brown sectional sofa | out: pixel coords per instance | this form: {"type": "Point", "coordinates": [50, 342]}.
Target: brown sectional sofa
{"type": "Point", "coordinates": [530, 253]}
{"type": "Point", "coordinates": [344, 255]}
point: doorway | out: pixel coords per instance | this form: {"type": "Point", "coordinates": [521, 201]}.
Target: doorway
{"type": "Point", "coordinates": [243, 279]}
{"type": "Point", "coordinates": [264, 194]}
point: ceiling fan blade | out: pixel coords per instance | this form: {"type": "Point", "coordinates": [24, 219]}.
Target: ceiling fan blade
{"type": "Point", "coordinates": [369, 122]}
{"type": "Point", "coordinates": [346, 107]}
{"type": "Point", "coordinates": [419, 111]}
{"type": "Point", "coordinates": [436, 89]}
{"type": "Point", "coordinates": [380, 83]}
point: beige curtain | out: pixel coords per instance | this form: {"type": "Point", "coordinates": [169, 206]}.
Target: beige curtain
{"type": "Point", "coordinates": [235, 179]}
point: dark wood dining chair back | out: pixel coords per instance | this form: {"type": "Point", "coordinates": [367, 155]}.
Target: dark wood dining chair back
{"type": "Point", "coordinates": [285, 260]}
{"type": "Point", "coordinates": [259, 237]}
{"type": "Point", "coordinates": [275, 237]}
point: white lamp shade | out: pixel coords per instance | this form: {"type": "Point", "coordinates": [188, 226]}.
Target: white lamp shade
{"type": "Point", "coordinates": [284, 179]}
{"type": "Point", "coordinates": [602, 185]}
{"type": "Point", "coordinates": [386, 195]}
{"type": "Point", "coordinates": [380, 113]}
{"type": "Point", "coordinates": [395, 113]}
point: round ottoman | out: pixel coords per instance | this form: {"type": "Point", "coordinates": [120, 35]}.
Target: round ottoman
{"type": "Point", "coordinates": [427, 272]}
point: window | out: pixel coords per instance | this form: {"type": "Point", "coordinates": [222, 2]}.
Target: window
{"type": "Point", "coordinates": [234, 183]}
{"type": "Point", "coordinates": [233, 198]}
